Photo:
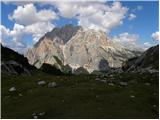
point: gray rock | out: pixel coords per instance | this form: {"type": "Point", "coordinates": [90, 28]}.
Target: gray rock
{"type": "Point", "coordinates": [52, 84]}
{"type": "Point", "coordinates": [35, 117]}
{"type": "Point", "coordinates": [154, 105]}
{"type": "Point", "coordinates": [110, 84]}
{"type": "Point", "coordinates": [103, 81]}
{"type": "Point", "coordinates": [78, 47]}
{"type": "Point", "coordinates": [97, 79]}
{"type": "Point", "coordinates": [12, 89]}
{"type": "Point", "coordinates": [148, 84]}
{"type": "Point", "coordinates": [42, 114]}
{"type": "Point", "coordinates": [132, 96]}
{"type": "Point", "coordinates": [42, 82]}
{"type": "Point", "coordinates": [123, 83]}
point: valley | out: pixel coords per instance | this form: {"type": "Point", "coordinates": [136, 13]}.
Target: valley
{"type": "Point", "coordinates": [118, 95]}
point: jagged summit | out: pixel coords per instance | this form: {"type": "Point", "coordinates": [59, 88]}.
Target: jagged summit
{"type": "Point", "coordinates": [78, 47]}
{"type": "Point", "coordinates": [61, 34]}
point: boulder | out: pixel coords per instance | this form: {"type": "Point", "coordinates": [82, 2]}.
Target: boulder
{"type": "Point", "coordinates": [12, 89]}
{"type": "Point", "coordinates": [42, 82]}
{"type": "Point", "coordinates": [52, 84]}
{"type": "Point", "coordinates": [123, 83]}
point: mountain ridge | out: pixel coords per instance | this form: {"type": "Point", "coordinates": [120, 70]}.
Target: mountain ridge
{"type": "Point", "coordinates": [82, 48]}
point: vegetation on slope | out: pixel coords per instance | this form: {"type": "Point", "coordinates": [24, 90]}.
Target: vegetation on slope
{"type": "Point", "coordinates": [81, 96]}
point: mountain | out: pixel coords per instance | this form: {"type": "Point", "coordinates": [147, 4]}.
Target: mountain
{"type": "Point", "coordinates": [78, 47]}
{"type": "Point", "coordinates": [148, 60]}
{"type": "Point", "coordinates": [14, 63]}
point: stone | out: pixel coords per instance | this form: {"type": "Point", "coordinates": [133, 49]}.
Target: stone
{"type": "Point", "coordinates": [12, 89]}
{"type": "Point", "coordinates": [42, 82]}
{"type": "Point", "coordinates": [148, 84]}
{"type": "Point", "coordinates": [42, 113]}
{"type": "Point", "coordinates": [154, 105]}
{"type": "Point", "coordinates": [103, 81]}
{"type": "Point", "coordinates": [78, 47]}
{"type": "Point", "coordinates": [123, 83]}
{"type": "Point", "coordinates": [34, 114]}
{"type": "Point", "coordinates": [110, 84]}
{"type": "Point", "coordinates": [132, 96]}
{"type": "Point", "coordinates": [52, 84]}
{"type": "Point", "coordinates": [35, 117]}
{"type": "Point", "coordinates": [20, 94]}
{"type": "Point", "coordinates": [97, 79]}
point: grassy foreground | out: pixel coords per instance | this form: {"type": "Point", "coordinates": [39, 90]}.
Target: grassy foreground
{"type": "Point", "coordinates": [81, 96]}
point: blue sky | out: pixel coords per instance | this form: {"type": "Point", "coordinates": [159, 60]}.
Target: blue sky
{"type": "Point", "coordinates": [136, 22]}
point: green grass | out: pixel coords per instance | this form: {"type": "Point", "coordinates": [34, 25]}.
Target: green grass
{"type": "Point", "coordinates": [80, 96]}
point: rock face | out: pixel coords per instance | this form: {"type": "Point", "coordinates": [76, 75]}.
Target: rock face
{"type": "Point", "coordinates": [148, 61]}
{"type": "Point", "coordinates": [14, 63]}
{"type": "Point", "coordinates": [78, 47]}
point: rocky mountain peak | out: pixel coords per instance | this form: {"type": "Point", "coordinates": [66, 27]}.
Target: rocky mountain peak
{"type": "Point", "coordinates": [78, 47]}
{"type": "Point", "coordinates": [61, 34]}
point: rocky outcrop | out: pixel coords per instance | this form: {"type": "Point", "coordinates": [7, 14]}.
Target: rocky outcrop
{"type": "Point", "coordinates": [14, 63]}
{"type": "Point", "coordinates": [77, 47]}
{"type": "Point", "coordinates": [147, 62]}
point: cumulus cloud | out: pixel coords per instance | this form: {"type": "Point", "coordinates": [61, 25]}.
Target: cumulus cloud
{"type": "Point", "coordinates": [93, 14]}
{"type": "Point", "coordinates": [28, 14]}
{"type": "Point", "coordinates": [155, 35]}
{"type": "Point", "coordinates": [28, 21]}
{"type": "Point", "coordinates": [132, 16]}
{"type": "Point", "coordinates": [38, 29]}
{"type": "Point", "coordinates": [126, 38]}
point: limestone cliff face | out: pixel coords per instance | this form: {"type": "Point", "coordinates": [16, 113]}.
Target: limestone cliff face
{"type": "Point", "coordinates": [78, 47]}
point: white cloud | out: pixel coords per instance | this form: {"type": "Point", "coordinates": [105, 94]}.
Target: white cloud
{"type": "Point", "coordinates": [38, 29]}
{"type": "Point", "coordinates": [132, 16]}
{"type": "Point", "coordinates": [147, 44]}
{"type": "Point", "coordinates": [93, 14]}
{"type": "Point", "coordinates": [155, 35]}
{"type": "Point", "coordinates": [126, 38]}
{"type": "Point", "coordinates": [28, 21]}
{"type": "Point", "coordinates": [28, 14]}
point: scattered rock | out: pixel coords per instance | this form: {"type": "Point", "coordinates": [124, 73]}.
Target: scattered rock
{"type": "Point", "coordinates": [12, 89]}
{"type": "Point", "coordinates": [132, 96]}
{"type": "Point", "coordinates": [52, 84]}
{"type": "Point", "coordinates": [20, 94]}
{"type": "Point", "coordinates": [110, 84]}
{"type": "Point", "coordinates": [110, 75]}
{"type": "Point", "coordinates": [35, 117]}
{"type": "Point", "coordinates": [42, 82]}
{"type": "Point", "coordinates": [123, 83]}
{"type": "Point", "coordinates": [103, 81]}
{"type": "Point", "coordinates": [154, 105]}
{"type": "Point", "coordinates": [148, 84]}
{"type": "Point", "coordinates": [42, 113]}
{"type": "Point", "coordinates": [34, 114]}
{"type": "Point", "coordinates": [97, 79]}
